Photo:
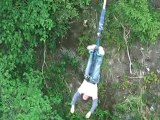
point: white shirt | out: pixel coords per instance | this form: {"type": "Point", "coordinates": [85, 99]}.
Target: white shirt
{"type": "Point", "coordinates": [89, 89]}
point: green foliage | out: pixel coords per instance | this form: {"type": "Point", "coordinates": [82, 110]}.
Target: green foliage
{"type": "Point", "coordinates": [136, 16]}
{"type": "Point", "coordinates": [136, 107]}
{"type": "Point", "coordinates": [76, 117]}
{"type": "Point", "coordinates": [136, 65]}
{"type": "Point", "coordinates": [102, 114]}
{"type": "Point", "coordinates": [131, 107]}
{"type": "Point", "coordinates": [58, 90]}
{"type": "Point", "coordinates": [82, 44]}
{"type": "Point", "coordinates": [131, 103]}
{"type": "Point", "coordinates": [25, 26]}
{"type": "Point", "coordinates": [24, 100]}
{"type": "Point", "coordinates": [151, 77]}
{"type": "Point", "coordinates": [123, 84]}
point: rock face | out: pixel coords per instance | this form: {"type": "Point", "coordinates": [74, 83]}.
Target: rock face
{"type": "Point", "coordinates": [121, 84]}
{"type": "Point", "coordinates": [143, 58]}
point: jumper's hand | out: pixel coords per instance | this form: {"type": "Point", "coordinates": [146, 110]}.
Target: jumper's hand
{"type": "Point", "coordinates": [88, 114]}
{"type": "Point", "coordinates": [72, 109]}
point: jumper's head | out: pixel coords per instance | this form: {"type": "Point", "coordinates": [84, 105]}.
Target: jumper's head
{"type": "Point", "coordinates": [85, 97]}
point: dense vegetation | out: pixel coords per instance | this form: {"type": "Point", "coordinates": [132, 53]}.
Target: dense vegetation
{"type": "Point", "coordinates": [33, 72]}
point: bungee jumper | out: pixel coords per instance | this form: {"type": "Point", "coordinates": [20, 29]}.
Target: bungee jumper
{"type": "Point", "coordinates": [92, 72]}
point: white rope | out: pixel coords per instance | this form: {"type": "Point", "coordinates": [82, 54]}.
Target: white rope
{"type": "Point", "coordinates": [104, 4]}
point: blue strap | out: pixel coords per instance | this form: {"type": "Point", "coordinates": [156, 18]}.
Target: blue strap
{"type": "Point", "coordinates": [100, 28]}
{"type": "Point", "coordinates": [101, 22]}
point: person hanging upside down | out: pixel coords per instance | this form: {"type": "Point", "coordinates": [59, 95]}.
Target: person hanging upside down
{"type": "Point", "coordinates": [92, 75]}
